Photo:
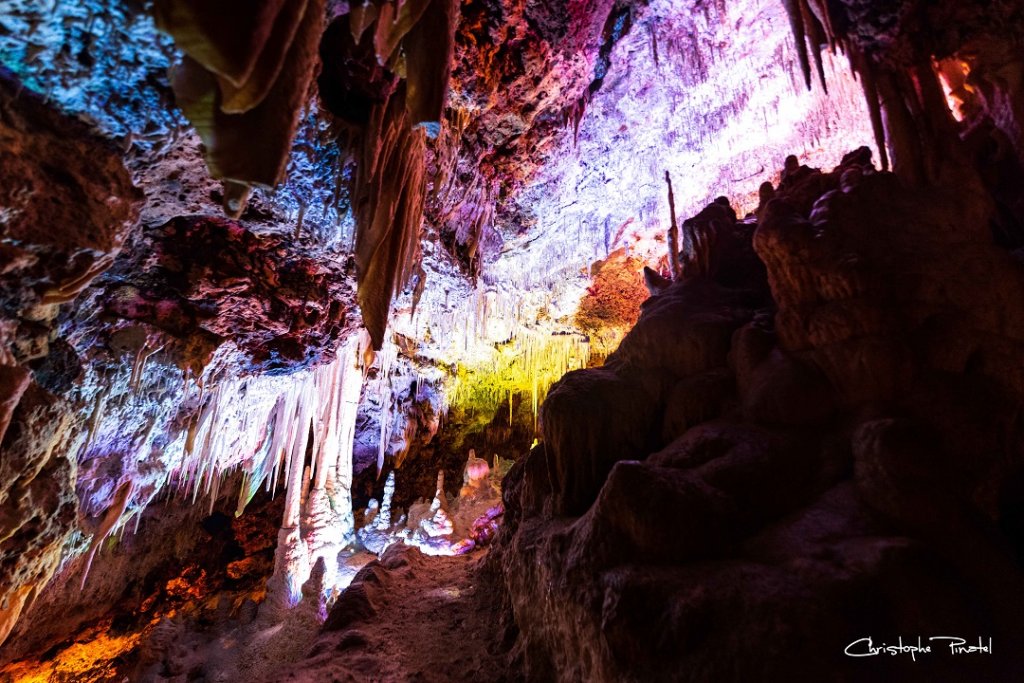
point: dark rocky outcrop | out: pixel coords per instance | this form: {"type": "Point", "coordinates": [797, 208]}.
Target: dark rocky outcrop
{"type": "Point", "coordinates": [819, 473]}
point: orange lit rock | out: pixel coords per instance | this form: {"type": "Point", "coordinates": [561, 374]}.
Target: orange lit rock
{"type": "Point", "coordinates": [247, 566]}
{"type": "Point", "coordinates": [612, 302]}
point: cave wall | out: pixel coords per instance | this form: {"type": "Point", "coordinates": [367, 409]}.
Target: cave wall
{"type": "Point", "coordinates": [684, 92]}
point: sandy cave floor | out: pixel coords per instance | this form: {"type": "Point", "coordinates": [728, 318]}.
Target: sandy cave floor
{"type": "Point", "coordinates": [411, 617]}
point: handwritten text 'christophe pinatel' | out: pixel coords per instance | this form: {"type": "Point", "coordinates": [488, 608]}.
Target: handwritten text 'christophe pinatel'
{"type": "Point", "coordinates": [950, 645]}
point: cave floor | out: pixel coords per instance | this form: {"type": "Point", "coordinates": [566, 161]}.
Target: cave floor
{"type": "Point", "coordinates": [411, 617]}
{"type": "Point", "coordinates": [407, 617]}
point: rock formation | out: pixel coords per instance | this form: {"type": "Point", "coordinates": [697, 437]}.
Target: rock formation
{"type": "Point", "coordinates": [288, 287]}
{"type": "Point", "coordinates": [847, 467]}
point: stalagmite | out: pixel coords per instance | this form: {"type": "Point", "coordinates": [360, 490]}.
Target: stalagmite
{"type": "Point", "coordinates": [476, 472]}
{"type": "Point", "coordinates": [673, 232]}
{"type": "Point", "coordinates": [327, 517]}
{"type": "Point", "coordinates": [438, 523]}
{"type": "Point", "coordinates": [383, 519]}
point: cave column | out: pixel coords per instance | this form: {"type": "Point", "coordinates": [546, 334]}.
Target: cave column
{"type": "Point", "coordinates": [327, 520]}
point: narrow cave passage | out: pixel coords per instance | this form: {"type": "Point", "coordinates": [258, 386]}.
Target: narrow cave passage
{"type": "Point", "coordinates": [482, 340]}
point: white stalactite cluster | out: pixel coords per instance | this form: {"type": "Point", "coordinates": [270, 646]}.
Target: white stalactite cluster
{"type": "Point", "coordinates": [529, 363]}
{"type": "Point", "coordinates": [267, 426]}
{"type": "Point", "coordinates": [264, 425]}
{"type": "Point", "coordinates": [317, 521]}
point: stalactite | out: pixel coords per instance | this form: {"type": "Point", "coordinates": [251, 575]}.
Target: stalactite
{"type": "Point", "coordinates": [908, 116]}
{"type": "Point", "coordinates": [314, 413]}
{"type": "Point", "coordinates": [110, 520]}
{"type": "Point", "coordinates": [902, 137]}
{"type": "Point", "coordinates": [239, 85]}
{"type": "Point", "coordinates": [429, 48]}
{"type": "Point", "coordinates": [240, 96]}
{"type": "Point", "coordinates": [528, 364]}
{"type": "Point", "coordinates": [866, 71]}
{"type": "Point", "coordinates": [229, 39]}
{"type": "Point", "coordinates": [389, 193]}
{"type": "Point", "coordinates": [361, 17]}
{"type": "Point", "coordinates": [298, 221]}
{"type": "Point", "coordinates": [146, 350]}
{"type": "Point", "coordinates": [386, 360]}
{"type": "Point", "coordinates": [99, 404]}
{"type": "Point", "coordinates": [819, 8]}
{"type": "Point", "coordinates": [351, 388]}
{"type": "Point", "coordinates": [576, 113]}
{"type": "Point", "coordinates": [266, 428]}
{"type": "Point", "coordinates": [296, 465]}
{"type": "Point", "coordinates": [415, 39]}
{"type": "Point", "coordinates": [942, 145]}
{"type": "Point", "coordinates": [394, 21]}
{"type": "Point", "coordinates": [68, 291]}
{"type": "Point", "coordinates": [796, 25]}
{"type": "Point", "coordinates": [815, 33]}
{"type": "Point", "coordinates": [446, 158]}
{"type": "Point", "coordinates": [654, 43]}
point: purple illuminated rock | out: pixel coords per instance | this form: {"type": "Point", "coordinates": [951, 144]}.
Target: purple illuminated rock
{"type": "Point", "coordinates": [212, 279]}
